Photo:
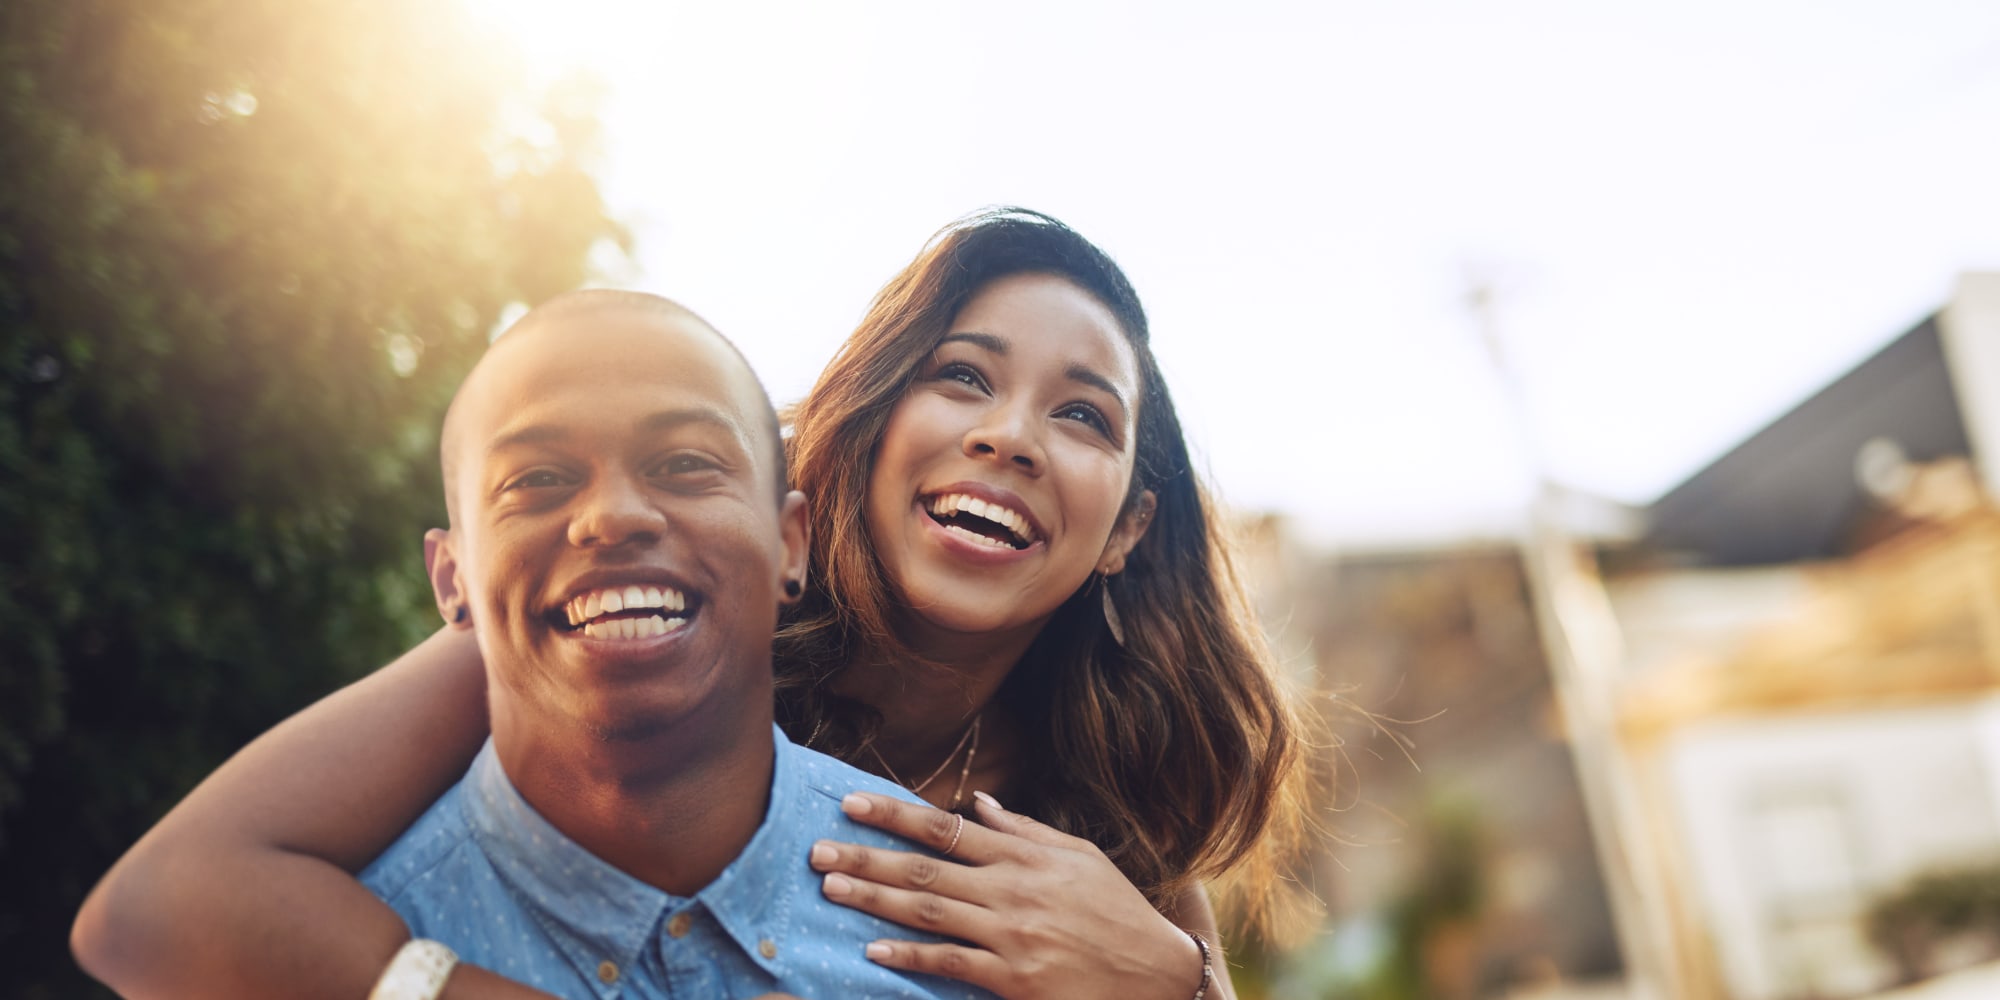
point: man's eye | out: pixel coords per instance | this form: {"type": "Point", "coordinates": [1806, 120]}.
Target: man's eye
{"type": "Point", "coordinates": [536, 479]}
{"type": "Point", "coordinates": [682, 465]}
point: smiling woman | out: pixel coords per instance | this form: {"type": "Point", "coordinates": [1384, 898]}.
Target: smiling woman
{"type": "Point", "coordinates": [1019, 417]}
{"type": "Point", "coordinates": [1010, 363]}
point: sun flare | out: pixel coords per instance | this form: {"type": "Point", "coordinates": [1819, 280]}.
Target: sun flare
{"type": "Point", "coordinates": [560, 36]}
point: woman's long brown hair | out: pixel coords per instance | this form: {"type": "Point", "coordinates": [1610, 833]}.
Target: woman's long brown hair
{"type": "Point", "coordinates": [1175, 751]}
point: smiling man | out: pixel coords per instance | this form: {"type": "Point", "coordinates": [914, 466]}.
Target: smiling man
{"type": "Point", "coordinates": [620, 541]}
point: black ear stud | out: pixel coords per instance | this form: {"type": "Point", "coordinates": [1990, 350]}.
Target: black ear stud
{"type": "Point", "coordinates": [794, 588]}
{"type": "Point", "coordinates": [459, 615]}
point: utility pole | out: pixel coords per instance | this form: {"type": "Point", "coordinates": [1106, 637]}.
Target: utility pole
{"type": "Point", "coordinates": [1580, 637]}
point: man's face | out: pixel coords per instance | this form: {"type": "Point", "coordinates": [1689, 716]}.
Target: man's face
{"type": "Point", "coordinates": [617, 541]}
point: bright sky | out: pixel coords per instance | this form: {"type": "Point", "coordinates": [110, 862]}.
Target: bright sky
{"type": "Point", "coordinates": [1694, 213]}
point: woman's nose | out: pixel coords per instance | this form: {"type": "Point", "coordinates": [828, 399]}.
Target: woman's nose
{"type": "Point", "coordinates": [1009, 435]}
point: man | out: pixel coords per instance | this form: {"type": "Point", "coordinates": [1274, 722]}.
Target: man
{"type": "Point", "coordinates": [620, 541]}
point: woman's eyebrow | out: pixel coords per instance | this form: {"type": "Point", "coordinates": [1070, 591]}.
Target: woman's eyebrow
{"type": "Point", "coordinates": [1075, 373]}
{"type": "Point", "coordinates": [1089, 376]}
{"type": "Point", "coordinates": [984, 340]}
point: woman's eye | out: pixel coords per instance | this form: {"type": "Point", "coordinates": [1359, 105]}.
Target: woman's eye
{"type": "Point", "coordinates": [1085, 414]}
{"type": "Point", "coordinates": [963, 374]}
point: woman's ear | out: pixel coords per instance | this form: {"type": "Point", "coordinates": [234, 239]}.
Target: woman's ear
{"type": "Point", "coordinates": [1131, 527]}
{"type": "Point", "coordinates": [441, 563]}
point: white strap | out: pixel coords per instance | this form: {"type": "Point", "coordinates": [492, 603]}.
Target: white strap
{"type": "Point", "coordinates": [417, 972]}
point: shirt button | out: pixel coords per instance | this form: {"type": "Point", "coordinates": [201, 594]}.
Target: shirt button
{"type": "Point", "coordinates": [678, 926]}
{"type": "Point", "coordinates": [767, 948]}
{"type": "Point", "coordinates": [607, 972]}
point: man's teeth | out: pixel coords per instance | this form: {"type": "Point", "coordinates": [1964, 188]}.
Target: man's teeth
{"type": "Point", "coordinates": [945, 505]}
{"type": "Point", "coordinates": [633, 628]}
{"type": "Point", "coordinates": [611, 600]}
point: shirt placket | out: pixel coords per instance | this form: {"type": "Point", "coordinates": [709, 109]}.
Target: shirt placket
{"type": "Point", "coordinates": [693, 954]}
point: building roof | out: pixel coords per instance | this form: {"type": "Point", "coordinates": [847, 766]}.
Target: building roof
{"type": "Point", "coordinates": [1790, 491]}
{"type": "Point", "coordinates": [1915, 618]}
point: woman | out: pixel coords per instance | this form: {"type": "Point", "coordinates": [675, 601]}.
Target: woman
{"type": "Point", "coordinates": [1020, 592]}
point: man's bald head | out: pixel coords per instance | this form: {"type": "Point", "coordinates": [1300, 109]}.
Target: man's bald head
{"type": "Point", "coordinates": [566, 312]}
{"type": "Point", "coordinates": [611, 443]}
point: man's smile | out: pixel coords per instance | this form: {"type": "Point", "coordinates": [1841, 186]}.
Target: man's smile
{"type": "Point", "coordinates": [627, 611]}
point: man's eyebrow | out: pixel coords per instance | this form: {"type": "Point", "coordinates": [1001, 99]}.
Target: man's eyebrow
{"type": "Point", "coordinates": [666, 420]}
{"type": "Point", "coordinates": [532, 434]}
{"type": "Point", "coordinates": [663, 420]}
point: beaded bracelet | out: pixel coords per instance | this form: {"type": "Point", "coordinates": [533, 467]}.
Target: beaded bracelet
{"type": "Point", "coordinates": [418, 972]}
{"type": "Point", "coordinates": [1207, 966]}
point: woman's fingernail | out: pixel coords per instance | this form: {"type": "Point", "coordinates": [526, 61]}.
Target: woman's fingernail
{"type": "Point", "coordinates": [824, 854]}
{"type": "Point", "coordinates": [879, 951]}
{"type": "Point", "coordinates": [836, 885]}
{"type": "Point", "coordinates": [988, 799]}
{"type": "Point", "coordinates": [856, 804]}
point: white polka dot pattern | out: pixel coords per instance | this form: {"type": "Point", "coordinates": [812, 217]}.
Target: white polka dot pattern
{"type": "Point", "coordinates": [484, 873]}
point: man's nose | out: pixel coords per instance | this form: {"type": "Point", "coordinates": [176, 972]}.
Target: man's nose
{"type": "Point", "coordinates": [616, 511]}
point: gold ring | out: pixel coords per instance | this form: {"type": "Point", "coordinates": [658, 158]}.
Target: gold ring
{"type": "Point", "coordinates": [955, 831]}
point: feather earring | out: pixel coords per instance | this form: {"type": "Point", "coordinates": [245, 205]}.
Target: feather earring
{"type": "Point", "coordinates": [1111, 620]}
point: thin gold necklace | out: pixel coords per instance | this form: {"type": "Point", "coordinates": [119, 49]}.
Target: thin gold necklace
{"type": "Point", "coordinates": [958, 793]}
{"type": "Point", "coordinates": [968, 741]}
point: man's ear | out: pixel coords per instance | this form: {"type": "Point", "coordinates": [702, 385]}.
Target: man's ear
{"type": "Point", "coordinates": [441, 563]}
{"type": "Point", "coordinates": [795, 527]}
{"type": "Point", "coordinates": [1131, 527]}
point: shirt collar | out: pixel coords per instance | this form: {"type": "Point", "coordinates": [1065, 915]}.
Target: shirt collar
{"type": "Point", "coordinates": [596, 912]}
{"type": "Point", "coordinates": [591, 910]}
{"type": "Point", "coordinates": [752, 899]}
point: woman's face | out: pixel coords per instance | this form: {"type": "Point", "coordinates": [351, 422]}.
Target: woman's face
{"type": "Point", "coordinates": [999, 481]}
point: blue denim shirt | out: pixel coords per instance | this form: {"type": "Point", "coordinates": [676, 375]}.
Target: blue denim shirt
{"type": "Point", "coordinates": [484, 873]}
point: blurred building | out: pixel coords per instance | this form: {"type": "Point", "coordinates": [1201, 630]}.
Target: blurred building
{"type": "Point", "coordinates": [1696, 755]}
{"type": "Point", "coordinates": [1807, 687]}
{"type": "Point", "coordinates": [1465, 866]}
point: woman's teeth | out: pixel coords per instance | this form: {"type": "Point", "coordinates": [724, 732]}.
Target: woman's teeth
{"type": "Point", "coordinates": [1013, 522]}
{"type": "Point", "coordinates": [970, 535]}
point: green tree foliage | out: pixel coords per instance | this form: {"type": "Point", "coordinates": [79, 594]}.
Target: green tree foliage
{"type": "Point", "coordinates": [1954, 906]}
{"type": "Point", "coordinates": [247, 249]}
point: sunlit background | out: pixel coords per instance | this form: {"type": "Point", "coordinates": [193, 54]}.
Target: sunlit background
{"type": "Point", "coordinates": [1608, 396]}
{"type": "Point", "coordinates": [1688, 215]}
